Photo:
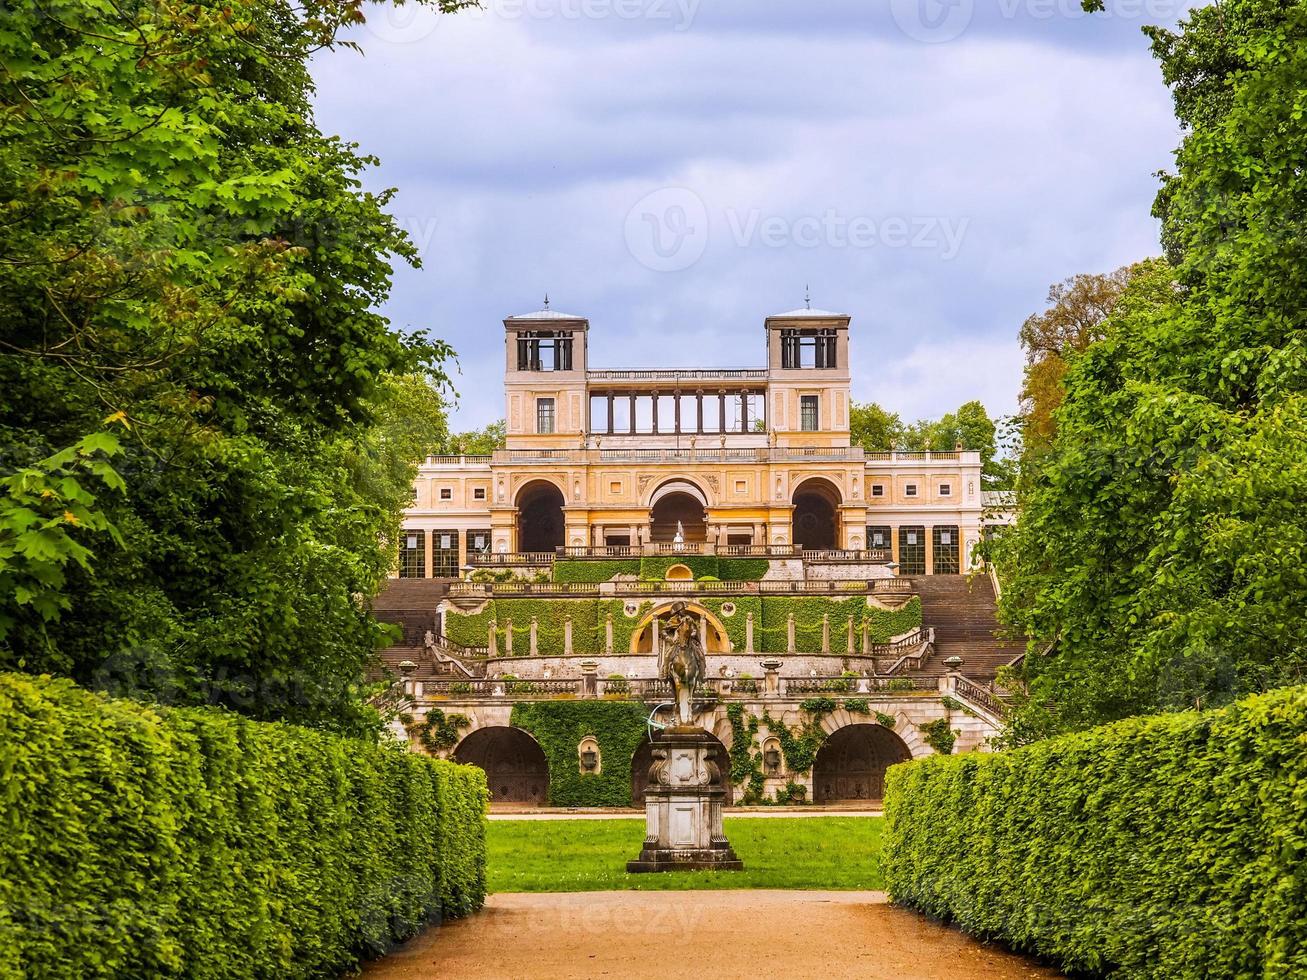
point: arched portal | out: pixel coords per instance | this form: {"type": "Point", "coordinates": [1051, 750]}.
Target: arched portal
{"type": "Point", "coordinates": [718, 639]}
{"type": "Point", "coordinates": [540, 524]}
{"type": "Point", "coordinates": [678, 506]}
{"type": "Point", "coordinates": [816, 515]}
{"type": "Point", "coordinates": [643, 759]}
{"type": "Point", "coordinates": [851, 765]}
{"type": "Point", "coordinates": [515, 765]}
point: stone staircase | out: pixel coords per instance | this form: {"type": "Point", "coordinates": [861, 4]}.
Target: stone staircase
{"type": "Point", "coordinates": [961, 608]}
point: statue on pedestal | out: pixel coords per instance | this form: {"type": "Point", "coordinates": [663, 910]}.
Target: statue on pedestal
{"type": "Point", "coordinates": [681, 660]}
{"type": "Point", "coordinates": [687, 781]}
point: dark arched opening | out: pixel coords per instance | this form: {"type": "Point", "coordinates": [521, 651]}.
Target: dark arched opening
{"type": "Point", "coordinates": [851, 765]}
{"type": "Point", "coordinates": [540, 524]}
{"type": "Point", "coordinates": [816, 524]}
{"type": "Point", "coordinates": [643, 759]}
{"type": "Point", "coordinates": [682, 508]}
{"type": "Point", "coordinates": [515, 765]}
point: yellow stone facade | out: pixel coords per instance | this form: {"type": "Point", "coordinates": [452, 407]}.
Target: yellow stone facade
{"type": "Point", "coordinates": [731, 460]}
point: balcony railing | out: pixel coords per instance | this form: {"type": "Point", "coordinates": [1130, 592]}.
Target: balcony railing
{"type": "Point", "coordinates": [698, 454]}
{"type": "Point", "coordinates": [678, 374]}
{"type": "Point", "coordinates": [879, 586]}
{"type": "Point", "coordinates": [866, 556]}
{"type": "Point", "coordinates": [654, 690]}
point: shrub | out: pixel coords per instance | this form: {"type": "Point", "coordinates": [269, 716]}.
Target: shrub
{"type": "Point", "coordinates": [193, 842]}
{"type": "Point", "coordinates": [742, 569]}
{"type": "Point", "coordinates": [1163, 846]}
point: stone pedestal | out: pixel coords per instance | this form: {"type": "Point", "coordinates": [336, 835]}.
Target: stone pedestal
{"type": "Point", "coordinates": [683, 806]}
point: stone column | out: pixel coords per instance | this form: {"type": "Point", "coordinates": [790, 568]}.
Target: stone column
{"type": "Point", "coordinates": [608, 633]}
{"type": "Point", "coordinates": [789, 633]}
{"type": "Point", "coordinates": [492, 641]}
{"type": "Point", "coordinates": [703, 633]}
{"type": "Point", "coordinates": [849, 647]}
{"type": "Point", "coordinates": [866, 639]}
{"type": "Point", "coordinates": [428, 568]}
{"type": "Point", "coordinates": [462, 548]}
{"type": "Point", "coordinates": [825, 632]}
{"type": "Point", "coordinates": [930, 550]}
{"type": "Point", "coordinates": [508, 637]}
{"type": "Point", "coordinates": [748, 633]}
{"type": "Point", "coordinates": [534, 629]}
{"type": "Point", "coordinates": [567, 636]}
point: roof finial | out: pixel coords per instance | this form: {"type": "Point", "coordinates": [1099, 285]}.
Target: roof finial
{"type": "Point", "coordinates": [546, 301]}
{"type": "Point", "coordinates": [807, 297]}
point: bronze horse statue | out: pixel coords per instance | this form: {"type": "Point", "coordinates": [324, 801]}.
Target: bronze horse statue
{"type": "Point", "coordinates": [681, 658]}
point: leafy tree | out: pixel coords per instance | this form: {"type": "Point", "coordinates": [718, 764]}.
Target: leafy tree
{"type": "Point", "coordinates": [480, 442]}
{"type": "Point", "coordinates": [1161, 550]}
{"type": "Point", "coordinates": [1077, 310]}
{"type": "Point", "coordinates": [874, 428]}
{"type": "Point", "coordinates": [183, 250]}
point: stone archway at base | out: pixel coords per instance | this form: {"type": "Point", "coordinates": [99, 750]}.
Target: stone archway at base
{"type": "Point", "coordinates": [515, 765]}
{"type": "Point", "coordinates": [642, 759]}
{"type": "Point", "coordinates": [851, 764]}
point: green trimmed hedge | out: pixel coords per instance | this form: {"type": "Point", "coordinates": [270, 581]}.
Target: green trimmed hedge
{"type": "Point", "coordinates": [1163, 846]}
{"type": "Point", "coordinates": [654, 568]}
{"type": "Point", "coordinates": [594, 571]}
{"type": "Point", "coordinates": [137, 841]}
{"type": "Point", "coordinates": [559, 726]}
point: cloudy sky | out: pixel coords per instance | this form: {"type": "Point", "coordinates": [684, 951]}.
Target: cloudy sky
{"type": "Point", "coordinates": [676, 170]}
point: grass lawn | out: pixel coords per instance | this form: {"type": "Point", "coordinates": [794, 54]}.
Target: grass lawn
{"type": "Point", "coordinates": [837, 853]}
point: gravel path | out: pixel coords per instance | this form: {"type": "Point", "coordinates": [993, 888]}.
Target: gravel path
{"type": "Point", "coordinates": [746, 934]}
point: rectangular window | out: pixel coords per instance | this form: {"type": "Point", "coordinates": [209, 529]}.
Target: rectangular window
{"type": "Point", "coordinates": [544, 415]}
{"type": "Point", "coordinates": [878, 489]}
{"type": "Point", "coordinates": [689, 413]}
{"type": "Point", "coordinates": [712, 412]}
{"type": "Point", "coordinates": [617, 540]}
{"type": "Point", "coordinates": [479, 493]}
{"type": "Point", "coordinates": [910, 490]}
{"type": "Point", "coordinates": [444, 554]}
{"type": "Point", "coordinates": [808, 413]}
{"type": "Point", "coordinates": [945, 551]}
{"type": "Point", "coordinates": [412, 554]}
{"type": "Point", "coordinates": [879, 537]}
{"type": "Point", "coordinates": [478, 542]}
{"type": "Point", "coordinates": [912, 551]}
{"type": "Point", "coordinates": [621, 421]}
{"type": "Point", "coordinates": [544, 350]}
{"type": "Point", "coordinates": [599, 414]}
{"type": "Point", "coordinates": [446, 493]}
{"type": "Point", "coordinates": [945, 490]}
{"type": "Point", "coordinates": [741, 486]}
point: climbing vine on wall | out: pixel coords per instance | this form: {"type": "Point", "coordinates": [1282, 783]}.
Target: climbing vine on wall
{"type": "Point", "coordinates": [746, 760]}
{"type": "Point", "coordinates": [559, 727]}
{"type": "Point", "coordinates": [440, 731]}
{"type": "Point", "coordinates": [939, 735]}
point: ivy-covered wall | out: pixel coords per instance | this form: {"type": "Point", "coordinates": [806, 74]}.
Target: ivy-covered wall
{"type": "Point", "coordinates": [769, 622]}
{"type": "Point", "coordinates": [559, 726]}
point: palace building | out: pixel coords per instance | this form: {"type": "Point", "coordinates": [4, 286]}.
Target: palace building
{"type": "Point", "coordinates": [847, 620]}
{"type": "Point", "coordinates": [735, 458]}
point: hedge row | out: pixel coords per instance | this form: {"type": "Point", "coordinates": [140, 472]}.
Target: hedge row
{"type": "Point", "coordinates": [770, 618]}
{"type": "Point", "coordinates": [147, 842]}
{"type": "Point", "coordinates": [1165, 846]}
{"type": "Point", "coordinates": [654, 568]}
